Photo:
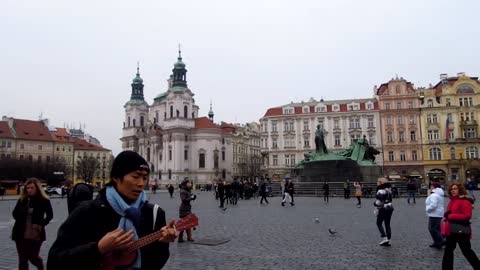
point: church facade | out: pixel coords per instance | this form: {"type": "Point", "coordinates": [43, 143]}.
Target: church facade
{"type": "Point", "coordinates": [169, 133]}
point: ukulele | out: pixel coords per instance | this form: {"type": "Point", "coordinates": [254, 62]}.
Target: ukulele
{"type": "Point", "coordinates": [128, 256]}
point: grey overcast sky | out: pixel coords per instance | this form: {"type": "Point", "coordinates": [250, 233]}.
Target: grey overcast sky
{"type": "Point", "coordinates": [74, 61]}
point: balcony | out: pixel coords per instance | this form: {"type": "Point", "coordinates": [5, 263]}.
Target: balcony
{"type": "Point", "coordinates": [468, 123]}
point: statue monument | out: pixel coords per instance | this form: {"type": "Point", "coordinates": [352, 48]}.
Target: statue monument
{"type": "Point", "coordinates": [355, 162]}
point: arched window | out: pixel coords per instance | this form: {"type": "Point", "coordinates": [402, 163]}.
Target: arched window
{"type": "Point", "coordinates": [452, 153]}
{"type": "Point", "coordinates": [185, 111]}
{"type": "Point", "coordinates": [134, 122]}
{"type": "Point", "coordinates": [129, 121]}
{"type": "Point", "coordinates": [435, 153]}
{"type": "Point", "coordinates": [169, 174]}
{"type": "Point", "coordinates": [472, 152]}
{"type": "Point", "coordinates": [141, 121]}
{"type": "Point", "coordinates": [171, 111]}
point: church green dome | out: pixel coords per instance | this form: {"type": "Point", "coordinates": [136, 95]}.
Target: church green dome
{"type": "Point", "coordinates": [137, 79]}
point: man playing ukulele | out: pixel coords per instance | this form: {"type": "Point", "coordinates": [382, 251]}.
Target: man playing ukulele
{"type": "Point", "coordinates": [110, 224]}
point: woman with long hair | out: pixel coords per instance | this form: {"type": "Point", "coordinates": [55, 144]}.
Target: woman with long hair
{"type": "Point", "coordinates": [32, 213]}
{"type": "Point", "coordinates": [185, 207]}
{"type": "Point", "coordinates": [358, 193]}
{"type": "Point", "coordinates": [457, 227]}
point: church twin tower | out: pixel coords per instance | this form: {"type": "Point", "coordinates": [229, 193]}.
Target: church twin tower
{"type": "Point", "coordinates": [171, 136]}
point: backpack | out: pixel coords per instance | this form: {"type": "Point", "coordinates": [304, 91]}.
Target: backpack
{"type": "Point", "coordinates": [79, 193]}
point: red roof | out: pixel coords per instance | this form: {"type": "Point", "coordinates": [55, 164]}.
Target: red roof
{"type": "Point", "coordinates": [61, 135]}
{"type": "Point", "coordinates": [343, 107]}
{"type": "Point", "coordinates": [31, 130]}
{"type": "Point", "coordinates": [83, 145]}
{"type": "Point", "coordinates": [5, 131]}
{"type": "Point", "coordinates": [204, 122]}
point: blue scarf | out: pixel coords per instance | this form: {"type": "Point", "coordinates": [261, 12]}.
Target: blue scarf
{"type": "Point", "coordinates": [130, 215]}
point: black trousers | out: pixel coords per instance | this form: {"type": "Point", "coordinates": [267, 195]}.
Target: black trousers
{"type": "Point", "coordinates": [264, 197]}
{"type": "Point", "coordinates": [325, 196]}
{"type": "Point", "coordinates": [384, 216]}
{"type": "Point", "coordinates": [464, 243]}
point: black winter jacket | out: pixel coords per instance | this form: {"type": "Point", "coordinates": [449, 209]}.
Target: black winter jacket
{"type": "Point", "coordinates": [76, 246]}
{"type": "Point", "coordinates": [42, 214]}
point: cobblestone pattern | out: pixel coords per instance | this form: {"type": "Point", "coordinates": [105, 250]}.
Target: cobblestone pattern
{"type": "Point", "coordinates": [276, 237]}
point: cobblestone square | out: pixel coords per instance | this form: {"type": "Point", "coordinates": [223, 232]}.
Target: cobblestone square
{"type": "Point", "coordinates": [276, 237]}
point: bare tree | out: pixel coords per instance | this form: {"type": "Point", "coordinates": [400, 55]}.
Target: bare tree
{"type": "Point", "coordinates": [87, 168]}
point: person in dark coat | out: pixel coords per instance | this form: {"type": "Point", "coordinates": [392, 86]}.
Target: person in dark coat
{"type": "Point", "coordinates": [79, 193]}
{"type": "Point", "coordinates": [185, 207]}
{"type": "Point", "coordinates": [221, 194]}
{"type": "Point", "coordinates": [263, 192]}
{"type": "Point", "coordinates": [119, 215]}
{"type": "Point", "coordinates": [326, 192]}
{"type": "Point", "coordinates": [171, 189]}
{"type": "Point", "coordinates": [32, 213]}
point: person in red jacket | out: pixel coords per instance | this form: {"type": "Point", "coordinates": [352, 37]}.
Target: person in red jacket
{"type": "Point", "coordinates": [459, 211]}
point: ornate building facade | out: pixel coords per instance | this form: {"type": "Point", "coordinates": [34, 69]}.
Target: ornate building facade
{"type": "Point", "coordinates": [171, 136]}
{"type": "Point", "coordinates": [401, 129]}
{"type": "Point", "coordinates": [246, 151]}
{"type": "Point", "coordinates": [450, 113]}
{"type": "Point", "coordinates": [288, 132]}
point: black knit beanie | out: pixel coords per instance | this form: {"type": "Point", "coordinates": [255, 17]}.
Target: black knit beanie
{"type": "Point", "coordinates": [127, 162]}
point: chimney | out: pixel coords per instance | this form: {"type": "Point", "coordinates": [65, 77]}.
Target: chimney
{"type": "Point", "coordinates": [45, 121]}
{"type": "Point", "coordinates": [460, 74]}
{"type": "Point", "coordinates": [443, 76]}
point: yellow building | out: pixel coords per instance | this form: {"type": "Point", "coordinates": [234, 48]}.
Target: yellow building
{"type": "Point", "coordinates": [63, 149]}
{"type": "Point", "coordinates": [450, 140]}
{"type": "Point", "coordinates": [83, 149]}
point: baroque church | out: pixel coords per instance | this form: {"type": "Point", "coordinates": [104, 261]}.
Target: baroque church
{"type": "Point", "coordinates": [170, 134]}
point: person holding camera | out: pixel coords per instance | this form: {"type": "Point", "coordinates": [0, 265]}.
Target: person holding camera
{"type": "Point", "coordinates": [185, 207]}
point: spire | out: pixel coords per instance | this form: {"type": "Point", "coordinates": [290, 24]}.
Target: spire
{"type": "Point", "coordinates": [210, 113]}
{"type": "Point", "coordinates": [179, 71]}
{"type": "Point", "coordinates": [137, 85]}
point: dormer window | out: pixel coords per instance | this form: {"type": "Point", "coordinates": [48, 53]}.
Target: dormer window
{"type": "Point", "coordinates": [430, 103]}
{"type": "Point", "coordinates": [369, 106]}
{"type": "Point", "coordinates": [306, 109]}
{"type": "Point", "coordinates": [288, 110]}
{"type": "Point", "coordinates": [336, 107]}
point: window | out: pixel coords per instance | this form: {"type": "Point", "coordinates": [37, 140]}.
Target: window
{"type": "Point", "coordinates": [387, 106]}
{"type": "Point", "coordinates": [201, 160]}
{"type": "Point", "coordinates": [403, 156]}
{"type": "Point", "coordinates": [160, 156]}
{"type": "Point", "coordinates": [170, 154]}
{"type": "Point", "coordinates": [306, 110]}
{"type": "Point", "coordinates": [413, 135]}
{"type": "Point", "coordinates": [21, 157]}
{"type": "Point", "coordinates": [435, 153]}
{"type": "Point", "coordinates": [399, 105]}
{"type": "Point", "coordinates": [369, 106]}
{"type": "Point", "coordinates": [274, 126]}
{"type": "Point", "coordinates": [371, 138]}
{"type": "Point", "coordinates": [336, 108]}
{"type": "Point", "coordinates": [288, 126]}
{"type": "Point", "coordinates": [274, 143]}
{"type": "Point", "coordinates": [30, 158]}
{"type": "Point", "coordinates": [288, 110]}
{"type": "Point", "coordinates": [40, 147]}
{"type": "Point", "coordinates": [401, 136]}
{"type": "Point", "coordinates": [142, 121]}
{"type": "Point", "coordinates": [22, 146]}
{"type": "Point", "coordinates": [370, 122]}
{"type": "Point", "coordinates": [414, 155]}
{"type": "Point", "coordinates": [287, 160]}
{"type": "Point", "coordinates": [452, 153]}
{"type": "Point", "coordinates": [305, 125]}
{"type": "Point", "coordinates": [397, 90]}
{"type": "Point", "coordinates": [389, 136]}
{"type": "Point", "coordinates": [336, 123]}
{"type": "Point", "coordinates": [215, 159]}
{"type": "Point", "coordinates": [223, 155]}
{"type": "Point", "coordinates": [412, 120]}
{"type": "Point", "coordinates": [289, 142]}
{"type": "Point", "coordinates": [430, 103]}
{"type": "Point", "coordinates": [306, 142]}
{"type": "Point", "coordinates": [320, 122]}
{"type": "Point", "coordinates": [391, 156]}
{"type": "Point", "coordinates": [275, 160]}
{"type": "Point", "coordinates": [185, 154]}
{"type": "Point", "coordinates": [451, 134]}
{"type": "Point", "coordinates": [148, 154]}
{"type": "Point", "coordinates": [9, 144]}
{"type": "Point", "coordinates": [472, 152]}
{"type": "Point", "coordinates": [353, 138]}
{"type": "Point", "coordinates": [400, 120]}
{"type": "Point", "coordinates": [389, 120]}
{"type": "Point", "coordinates": [171, 111]}
{"type": "Point", "coordinates": [337, 140]}
{"type": "Point", "coordinates": [129, 121]}
{"type": "Point", "coordinates": [169, 174]}
{"type": "Point", "coordinates": [469, 133]}
{"type": "Point", "coordinates": [465, 102]}
{"type": "Point", "coordinates": [185, 111]}
{"type": "Point", "coordinates": [39, 158]}
{"type": "Point", "coordinates": [354, 122]}
{"type": "Point", "coordinates": [448, 102]}
{"type": "Point", "coordinates": [433, 135]}
{"type": "Point", "coordinates": [432, 118]}
{"type": "Point", "coordinates": [410, 104]}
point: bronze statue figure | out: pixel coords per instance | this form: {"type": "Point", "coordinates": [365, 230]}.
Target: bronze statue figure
{"type": "Point", "coordinates": [320, 146]}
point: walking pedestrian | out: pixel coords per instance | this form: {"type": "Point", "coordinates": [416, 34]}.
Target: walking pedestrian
{"type": "Point", "coordinates": [457, 227]}
{"type": "Point", "coordinates": [384, 210]}
{"type": "Point", "coordinates": [326, 192]}
{"type": "Point", "coordinates": [435, 209]}
{"type": "Point", "coordinates": [185, 207]}
{"type": "Point", "coordinates": [32, 213]}
{"type": "Point", "coordinates": [411, 190]}
{"type": "Point", "coordinates": [358, 193]}
{"type": "Point", "coordinates": [470, 186]}
{"type": "Point", "coordinates": [110, 223]}
{"type": "Point", "coordinates": [346, 189]}
{"type": "Point", "coordinates": [221, 194]}
{"type": "Point", "coordinates": [288, 193]}
{"type": "Point", "coordinates": [263, 192]}
{"type": "Point", "coordinates": [171, 189]}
